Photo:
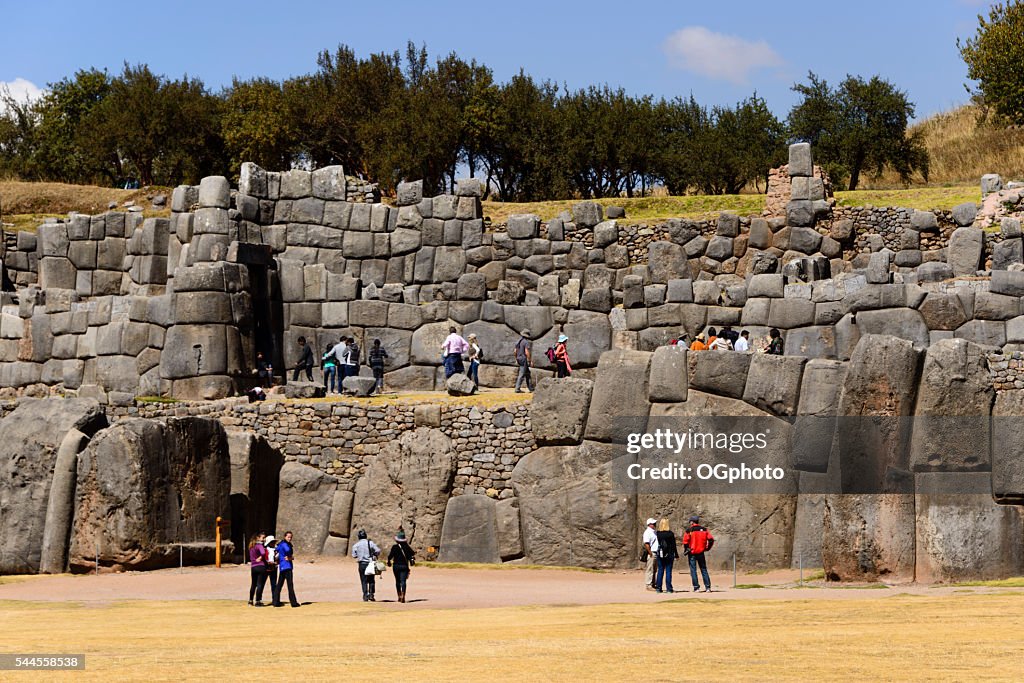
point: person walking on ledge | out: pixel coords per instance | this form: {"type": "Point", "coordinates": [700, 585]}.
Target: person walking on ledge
{"type": "Point", "coordinates": [697, 541]}
{"type": "Point", "coordinates": [401, 557]}
{"type": "Point", "coordinates": [377, 357]}
{"type": "Point", "coordinates": [452, 349]}
{"type": "Point", "coordinates": [305, 361]}
{"type": "Point", "coordinates": [562, 365]}
{"type": "Point", "coordinates": [524, 359]}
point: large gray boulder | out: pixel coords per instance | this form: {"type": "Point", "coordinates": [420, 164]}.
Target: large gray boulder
{"type": "Point", "coordinates": [965, 251]}
{"type": "Point", "coordinates": [30, 440]}
{"type": "Point", "coordinates": [773, 383]}
{"type": "Point", "coordinates": [1007, 446]}
{"type": "Point", "coordinates": [619, 404]}
{"type": "Point", "coordinates": [954, 401]}
{"type": "Point", "coordinates": [407, 484]}
{"type": "Point", "coordinates": [572, 510]}
{"type": "Point", "coordinates": [558, 411]}
{"type": "Point", "coordinates": [720, 372]}
{"type": "Point", "coordinates": [305, 505]}
{"type": "Point", "coordinates": [470, 531]}
{"type": "Point", "coordinates": [460, 385]}
{"type": "Point", "coordinates": [145, 487]}
{"type": "Point", "coordinates": [955, 511]}
{"type": "Point", "coordinates": [669, 375]}
{"type": "Point", "coordinates": [667, 261]}
{"type": "Point", "coordinates": [869, 537]}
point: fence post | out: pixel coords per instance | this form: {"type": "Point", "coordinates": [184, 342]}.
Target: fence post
{"type": "Point", "coordinates": [734, 570]}
{"type": "Point", "coordinates": [97, 557]}
{"type": "Point", "coordinates": [181, 558]}
{"type": "Point", "coordinates": [217, 551]}
{"type": "Point", "coordinates": [801, 569]}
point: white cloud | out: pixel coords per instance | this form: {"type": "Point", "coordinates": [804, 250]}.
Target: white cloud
{"type": "Point", "coordinates": [719, 56]}
{"type": "Point", "coordinates": [20, 89]}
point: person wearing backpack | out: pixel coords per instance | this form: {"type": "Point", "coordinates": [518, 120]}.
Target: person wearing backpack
{"type": "Point", "coordinates": [696, 541]}
{"type": "Point", "coordinates": [330, 364]}
{"type": "Point", "coordinates": [561, 357]}
{"type": "Point", "coordinates": [667, 555]}
{"type": "Point", "coordinates": [524, 359]}
{"type": "Point", "coordinates": [476, 355]}
{"type": "Point", "coordinates": [352, 360]}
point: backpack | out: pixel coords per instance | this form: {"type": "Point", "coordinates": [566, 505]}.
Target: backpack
{"type": "Point", "coordinates": [354, 353]}
{"type": "Point", "coordinates": [550, 353]}
{"type": "Point", "coordinates": [479, 352]}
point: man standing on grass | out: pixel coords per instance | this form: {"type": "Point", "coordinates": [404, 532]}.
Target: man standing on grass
{"type": "Point", "coordinates": [651, 550]}
{"type": "Point", "coordinates": [697, 540]}
{"type": "Point", "coordinates": [286, 562]}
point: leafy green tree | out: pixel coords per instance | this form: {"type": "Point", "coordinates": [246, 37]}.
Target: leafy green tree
{"type": "Point", "coordinates": [18, 128]}
{"type": "Point", "coordinates": [258, 125]}
{"type": "Point", "coordinates": [859, 126]}
{"type": "Point", "coordinates": [994, 57]}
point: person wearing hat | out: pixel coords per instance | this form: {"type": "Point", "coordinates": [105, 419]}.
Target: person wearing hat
{"type": "Point", "coordinates": [650, 553]}
{"type": "Point", "coordinates": [366, 551]}
{"type": "Point", "coordinates": [524, 359]}
{"type": "Point", "coordinates": [699, 344]}
{"type": "Point", "coordinates": [696, 541]}
{"type": "Point", "coordinates": [402, 557]}
{"type": "Point", "coordinates": [476, 355]}
{"type": "Point", "coordinates": [562, 366]}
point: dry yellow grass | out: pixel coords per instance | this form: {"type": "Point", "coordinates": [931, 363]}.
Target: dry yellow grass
{"type": "Point", "coordinates": [24, 205]}
{"type": "Point", "coordinates": [962, 149]}
{"type": "Point", "coordinates": [896, 638]}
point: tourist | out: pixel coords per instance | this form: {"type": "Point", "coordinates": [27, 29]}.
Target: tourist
{"type": "Point", "coordinates": [696, 541]}
{"type": "Point", "coordinates": [524, 359]}
{"type": "Point", "coordinates": [402, 557]}
{"type": "Point", "coordinates": [682, 342]}
{"type": "Point", "coordinates": [698, 343]}
{"type": "Point", "coordinates": [286, 564]}
{"type": "Point", "coordinates": [712, 337]}
{"type": "Point", "coordinates": [720, 343]}
{"type": "Point", "coordinates": [305, 361]}
{"type": "Point", "coordinates": [476, 356]}
{"type": "Point", "coordinates": [270, 543]}
{"type": "Point", "coordinates": [330, 365]}
{"type": "Point", "coordinates": [352, 359]}
{"type": "Point", "coordinates": [257, 569]}
{"type": "Point", "coordinates": [378, 355]}
{"type": "Point", "coordinates": [264, 370]}
{"type": "Point", "coordinates": [730, 335]}
{"type": "Point", "coordinates": [366, 552]}
{"type": "Point", "coordinates": [743, 343]}
{"type": "Point", "coordinates": [340, 353]}
{"type": "Point", "coordinates": [649, 555]}
{"type": "Point", "coordinates": [451, 350]}
{"type": "Point", "coordinates": [667, 554]}
{"type": "Point", "coordinates": [776, 346]}
{"type": "Point", "coordinates": [562, 366]}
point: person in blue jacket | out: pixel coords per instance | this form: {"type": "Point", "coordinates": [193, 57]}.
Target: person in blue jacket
{"type": "Point", "coordinates": [285, 564]}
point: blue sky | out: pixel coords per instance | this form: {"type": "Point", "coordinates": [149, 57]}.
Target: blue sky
{"type": "Point", "coordinates": [721, 52]}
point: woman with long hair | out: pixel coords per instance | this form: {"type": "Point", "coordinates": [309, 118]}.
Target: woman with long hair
{"type": "Point", "coordinates": [402, 557]}
{"type": "Point", "coordinates": [258, 557]}
{"type": "Point", "coordinates": [667, 555]}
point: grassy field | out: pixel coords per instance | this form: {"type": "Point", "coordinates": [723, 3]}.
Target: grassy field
{"type": "Point", "coordinates": [25, 205]}
{"type": "Point", "coordinates": [894, 638]}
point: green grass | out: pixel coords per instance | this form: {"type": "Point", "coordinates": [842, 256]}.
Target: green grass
{"type": "Point", "coordinates": [816, 576]}
{"type": "Point", "coordinates": [1013, 582]}
{"type": "Point", "coordinates": [923, 198]}
{"type": "Point", "coordinates": [744, 586]}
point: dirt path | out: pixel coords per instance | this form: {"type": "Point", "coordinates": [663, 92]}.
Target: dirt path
{"type": "Point", "coordinates": [336, 580]}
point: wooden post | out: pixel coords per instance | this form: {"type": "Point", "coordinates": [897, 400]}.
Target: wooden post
{"type": "Point", "coordinates": [218, 543]}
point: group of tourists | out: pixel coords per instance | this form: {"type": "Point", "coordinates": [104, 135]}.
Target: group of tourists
{"type": "Point", "coordinates": [455, 350]}
{"type": "Point", "coordinates": [341, 360]}
{"type": "Point", "coordinates": [661, 550]}
{"type": "Point", "coordinates": [271, 561]}
{"type": "Point", "coordinates": [729, 339]}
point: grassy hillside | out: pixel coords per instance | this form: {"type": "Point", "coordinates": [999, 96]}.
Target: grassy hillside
{"type": "Point", "coordinates": [962, 149]}
{"type": "Point", "coordinates": [24, 205]}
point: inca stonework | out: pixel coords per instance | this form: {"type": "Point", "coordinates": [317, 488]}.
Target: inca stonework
{"type": "Point", "coordinates": [885, 313]}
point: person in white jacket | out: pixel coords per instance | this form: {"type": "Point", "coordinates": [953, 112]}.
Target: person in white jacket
{"type": "Point", "coordinates": [651, 548]}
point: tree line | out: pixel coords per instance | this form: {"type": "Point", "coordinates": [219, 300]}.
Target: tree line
{"type": "Point", "coordinates": [390, 117]}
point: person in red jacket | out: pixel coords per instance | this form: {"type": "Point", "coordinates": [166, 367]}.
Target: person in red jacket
{"type": "Point", "coordinates": [696, 541]}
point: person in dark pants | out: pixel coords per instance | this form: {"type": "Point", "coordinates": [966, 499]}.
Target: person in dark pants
{"type": "Point", "coordinates": [667, 555]}
{"type": "Point", "coordinates": [366, 551]}
{"type": "Point", "coordinates": [285, 563]}
{"type": "Point", "coordinates": [776, 346]}
{"type": "Point", "coordinates": [402, 557]}
{"type": "Point", "coordinates": [698, 541]}
{"type": "Point", "coordinates": [305, 361]}
{"type": "Point", "coordinates": [264, 370]}
{"type": "Point", "coordinates": [378, 356]}
{"type": "Point", "coordinates": [271, 545]}
{"type": "Point", "coordinates": [257, 569]}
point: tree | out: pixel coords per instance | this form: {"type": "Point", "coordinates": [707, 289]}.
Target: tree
{"type": "Point", "coordinates": [994, 57]}
{"type": "Point", "coordinates": [258, 124]}
{"type": "Point", "coordinates": [859, 126]}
